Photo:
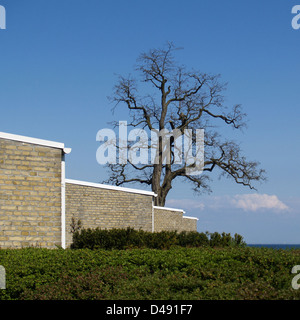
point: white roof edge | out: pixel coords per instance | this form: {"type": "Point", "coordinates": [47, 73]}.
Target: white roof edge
{"type": "Point", "coordinates": [188, 217]}
{"type": "Point", "coordinates": [170, 209]}
{"type": "Point", "coordinates": [41, 142]}
{"type": "Point", "coordinates": [109, 187]}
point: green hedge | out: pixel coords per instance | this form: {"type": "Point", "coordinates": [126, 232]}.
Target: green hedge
{"type": "Point", "coordinates": [131, 238]}
{"type": "Point", "coordinates": [178, 273]}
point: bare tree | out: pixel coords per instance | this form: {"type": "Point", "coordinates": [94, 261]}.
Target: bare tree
{"type": "Point", "coordinates": [171, 97]}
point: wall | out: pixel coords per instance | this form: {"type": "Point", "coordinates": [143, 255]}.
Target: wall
{"type": "Point", "coordinates": [189, 224]}
{"type": "Point", "coordinates": [172, 219]}
{"type": "Point", "coordinates": [102, 206]}
{"type": "Point", "coordinates": [167, 219]}
{"type": "Point", "coordinates": [30, 194]}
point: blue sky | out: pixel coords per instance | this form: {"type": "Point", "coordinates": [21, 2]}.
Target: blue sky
{"type": "Point", "coordinates": [59, 61]}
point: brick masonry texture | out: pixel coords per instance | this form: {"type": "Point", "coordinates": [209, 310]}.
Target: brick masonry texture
{"type": "Point", "coordinates": [171, 220]}
{"type": "Point", "coordinates": [189, 224]}
{"type": "Point", "coordinates": [106, 209]}
{"type": "Point", "coordinates": [30, 195]}
{"type": "Point", "coordinates": [167, 220]}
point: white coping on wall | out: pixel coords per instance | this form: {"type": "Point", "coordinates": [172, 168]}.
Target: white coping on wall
{"type": "Point", "coordinates": [170, 209]}
{"type": "Point", "coordinates": [40, 142]}
{"type": "Point", "coordinates": [109, 187]}
{"type": "Point", "coordinates": [187, 217]}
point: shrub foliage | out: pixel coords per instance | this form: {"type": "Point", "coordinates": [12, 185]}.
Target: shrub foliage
{"type": "Point", "coordinates": [131, 238]}
{"type": "Point", "coordinates": [178, 273]}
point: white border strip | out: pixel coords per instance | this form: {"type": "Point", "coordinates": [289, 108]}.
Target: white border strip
{"type": "Point", "coordinates": [109, 187]}
{"type": "Point", "coordinates": [187, 217]}
{"type": "Point", "coordinates": [41, 142]}
{"type": "Point", "coordinates": [170, 209]}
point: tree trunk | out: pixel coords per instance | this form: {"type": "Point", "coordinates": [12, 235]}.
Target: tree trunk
{"type": "Point", "coordinates": [161, 190]}
{"type": "Point", "coordinates": [156, 183]}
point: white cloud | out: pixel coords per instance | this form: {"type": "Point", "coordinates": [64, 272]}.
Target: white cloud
{"type": "Point", "coordinates": [255, 202]}
{"type": "Point", "coordinates": [246, 202]}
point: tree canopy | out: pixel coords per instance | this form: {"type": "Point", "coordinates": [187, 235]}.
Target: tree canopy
{"type": "Point", "coordinates": [166, 95]}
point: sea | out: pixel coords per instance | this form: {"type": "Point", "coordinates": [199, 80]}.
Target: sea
{"type": "Point", "coordinates": [276, 246]}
